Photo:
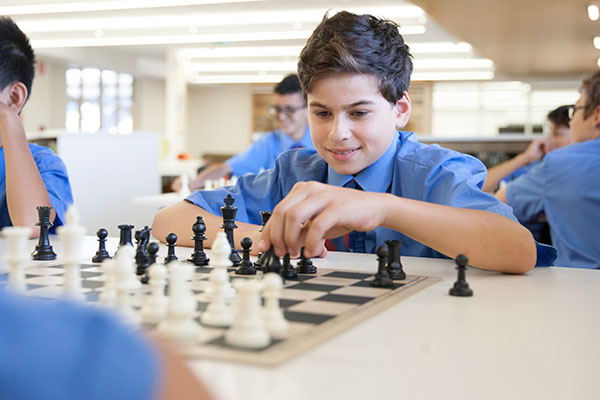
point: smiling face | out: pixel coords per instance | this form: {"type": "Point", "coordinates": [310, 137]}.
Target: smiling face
{"type": "Point", "coordinates": [351, 123]}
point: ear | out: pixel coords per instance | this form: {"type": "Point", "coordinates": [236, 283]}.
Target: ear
{"type": "Point", "coordinates": [17, 96]}
{"type": "Point", "coordinates": [403, 108]}
{"type": "Point", "coordinates": [596, 117]}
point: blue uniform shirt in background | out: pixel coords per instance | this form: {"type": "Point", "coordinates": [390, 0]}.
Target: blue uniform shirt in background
{"type": "Point", "coordinates": [65, 351]}
{"type": "Point", "coordinates": [53, 173]}
{"type": "Point", "coordinates": [407, 169]}
{"type": "Point", "coordinates": [264, 151]}
{"type": "Point", "coordinates": [566, 187]}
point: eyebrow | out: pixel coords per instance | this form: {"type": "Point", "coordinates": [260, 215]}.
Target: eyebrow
{"type": "Point", "coordinates": [355, 104]}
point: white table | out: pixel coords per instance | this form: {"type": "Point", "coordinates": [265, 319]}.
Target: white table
{"type": "Point", "coordinates": [532, 336]}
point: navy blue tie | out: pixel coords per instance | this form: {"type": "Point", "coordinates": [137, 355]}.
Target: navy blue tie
{"type": "Point", "coordinates": [353, 241]}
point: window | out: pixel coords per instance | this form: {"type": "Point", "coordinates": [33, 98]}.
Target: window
{"type": "Point", "coordinates": [99, 100]}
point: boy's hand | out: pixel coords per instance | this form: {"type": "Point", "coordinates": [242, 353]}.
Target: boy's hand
{"type": "Point", "coordinates": [536, 150]}
{"type": "Point", "coordinates": [313, 212]}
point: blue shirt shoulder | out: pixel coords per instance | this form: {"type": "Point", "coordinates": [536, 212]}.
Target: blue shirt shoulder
{"type": "Point", "coordinates": [263, 152]}
{"type": "Point", "coordinates": [565, 187]}
{"type": "Point", "coordinates": [54, 175]}
{"type": "Point", "coordinates": [67, 351]}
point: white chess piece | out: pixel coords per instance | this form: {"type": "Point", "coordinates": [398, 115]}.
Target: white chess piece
{"type": "Point", "coordinates": [126, 282]}
{"type": "Point", "coordinates": [179, 323]}
{"type": "Point", "coordinates": [155, 308]}
{"type": "Point", "coordinates": [71, 237]}
{"type": "Point", "coordinates": [218, 312]}
{"type": "Point", "coordinates": [16, 255]}
{"type": "Point", "coordinates": [248, 329]}
{"type": "Point", "coordinates": [272, 313]}
{"type": "Point", "coordinates": [208, 185]}
{"type": "Point", "coordinates": [220, 182]}
{"type": "Point", "coordinates": [108, 296]}
{"type": "Point", "coordinates": [221, 251]}
{"type": "Point", "coordinates": [185, 186]}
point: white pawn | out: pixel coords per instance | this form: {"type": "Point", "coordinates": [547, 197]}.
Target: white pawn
{"type": "Point", "coordinates": [221, 182]}
{"type": "Point", "coordinates": [218, 312]}
{"type": "Point", "coordinates": [221, 251]}
{"type": "Point", "coordinates": [272, 313]}
{"type": "Point", "coordinates": [16, 255]}
{"type": "Point", "coordinates": [71, 237]}
{"type": "Point", "coordinates": [126, 282]}
{"type": "Point", "coordinates": [108, 297]}
{"type": "Point", "coordinates": [185, 186]}
{"type": "Point", "coordinates": [179, 323]}
{"type": "Point", "coordinates": [155, 308]}
{"type": "Point", "coordinates": [208, 185]}
{"type": "Point", "coordinates": [248, 329]}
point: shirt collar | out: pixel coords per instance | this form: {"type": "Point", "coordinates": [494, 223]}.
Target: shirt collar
{"type": "Point", "coordinates": [306, 140]}
{"type": "Point", "coordinates": [377, 177]}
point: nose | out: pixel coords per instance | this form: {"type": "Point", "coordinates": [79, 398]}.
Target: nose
{"type": "Point", "coordinates": [340, 129]}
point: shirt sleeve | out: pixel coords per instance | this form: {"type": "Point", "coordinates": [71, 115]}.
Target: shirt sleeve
{"type": "Point", "coordinates": [258, 155]}
{"type": "Point", "coordinates": [54, 175]}
{"type": "Point", "coordinates": [526, 194]}
{"type": "Point", "coordinates": [62, 350]}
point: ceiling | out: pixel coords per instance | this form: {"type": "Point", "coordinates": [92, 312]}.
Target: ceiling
{"type": "Point", "coordinates": [524, 39]}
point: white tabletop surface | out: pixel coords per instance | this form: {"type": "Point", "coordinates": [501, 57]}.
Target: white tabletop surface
{"type": "Point", "coordinates": [532, 336]}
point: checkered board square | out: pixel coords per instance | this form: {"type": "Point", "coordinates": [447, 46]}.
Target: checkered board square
{"type": "Point", "coordinates": [317, 306]}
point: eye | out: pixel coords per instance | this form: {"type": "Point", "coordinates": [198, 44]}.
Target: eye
{"type": "Point", "coordinates": [359, 113]}
{"type": "Point", "coordinates": [322, 114]}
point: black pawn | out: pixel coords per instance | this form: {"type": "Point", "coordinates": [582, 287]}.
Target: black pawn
{"type": "Point", "coordinates": [125, 235]}
{"type": "Point", "coordinates": [228, 212]}
{"type": "Point", "coordinates": [264, 215]}
{"type": "Point", "coordinates": [152, 251]}
{"type": "Point", "coordinates": [382, 277]}
{"type": "Point", "coordinates": [270, 262]}
{"type": "Point", "coordinates": [461, 287]}
{"type": "Point", "coordinates": [305, 265]}
{"type": "Point", "coordinates": [102, 253]}
{"type": "Point", "coordinates": [287, 270]}
{"type": "Point", "coordinates": [246, 267]}
{"type": "Point", "coordinates": [394, 266]}
{"type": "Point", "coordinates": [171, 239]}
{"type": "Point", "coordinates": [198, 257]}
{"type": "Point", "coordinates": [43, 251]}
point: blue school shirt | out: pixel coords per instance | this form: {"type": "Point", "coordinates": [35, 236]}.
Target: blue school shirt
{"type": "Point", "coordinates": [53, 173]}
{"type": "Point", "coordinates": [407, 169]}
{"type": "Point", "coordinates": [264, 151]}
{"type": "Point", "coordinates": [62, 350]}
{"type": "Point", "coordinates": [566, 187]}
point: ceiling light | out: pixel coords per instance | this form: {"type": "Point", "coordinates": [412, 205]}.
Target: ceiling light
{"type": "Point", "coordinates": [235, 52]}
{"type": "Point", "coordinates": [439, 47]}
{"type": "Point", "coordinates": [598, 62]}
{"type": "Point", "coordinates": [593, 12]}
{"type": "Point", "coordinates": [85, 6]}
{"type": "Point", "coordinates": [452, 76]}
{"type": "Point", "coordinates": [214, 79]}
{"type": "Point", "coordinates": [597, 42]}
{"type": "Point", "coordinates": [453, 63]}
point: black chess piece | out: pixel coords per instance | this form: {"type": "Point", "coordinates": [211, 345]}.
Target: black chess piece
{"type": "Point", "coordinates": [43, 251]}
{"type": "Point", "coordinates": [152, 251]}
{"type": "Point", "coordinates": [228, 212]}
{"type": "Point", "coordinates": [102, 253]}
{"type": "Point", "coordinates": [125, 235]}
{"type": "Point", "coordinates": [270, 262]}
{"type": "Point", "coordinates": [305, 265]}
{"type": "Point", "coordinates": [246, 266]}
{"type": "Point", "coordinates": [382, 277]}
{"type": "Point", "coordinates": [264, 215]}
{"type": "Point", "coordinates": [198, 257]}
{"type": "Point", "coordinates": [141, 255]}
{"type": "Point", "coordinates": [287, 270]}
{"type": "Point", "coordinates": [461, 287]}
{"type": "Point", "coordinates": [394, 265]}
{"type": "Point", "coordinates": [171, 239]}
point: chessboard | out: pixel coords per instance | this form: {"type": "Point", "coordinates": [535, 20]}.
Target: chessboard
{"type": "Point", "coordinates": [317, 306]}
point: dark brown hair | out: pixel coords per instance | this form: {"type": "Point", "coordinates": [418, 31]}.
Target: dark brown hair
{"type": "Point", "coordinates": [360, 44]}
{"type": "Point", "coordinates": [591, 88]}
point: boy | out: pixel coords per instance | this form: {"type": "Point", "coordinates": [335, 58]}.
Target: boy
{"type": "Point", "coordinates": [559, 135]}
{"type": "Point", "coordinates": [30, 175]}
{"type": "Point", "coordinates": [355, 71]}
{"type": "Point", "coordinates": [290, 111]}
{"type": "Point", "coordinates": [566, 186]}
